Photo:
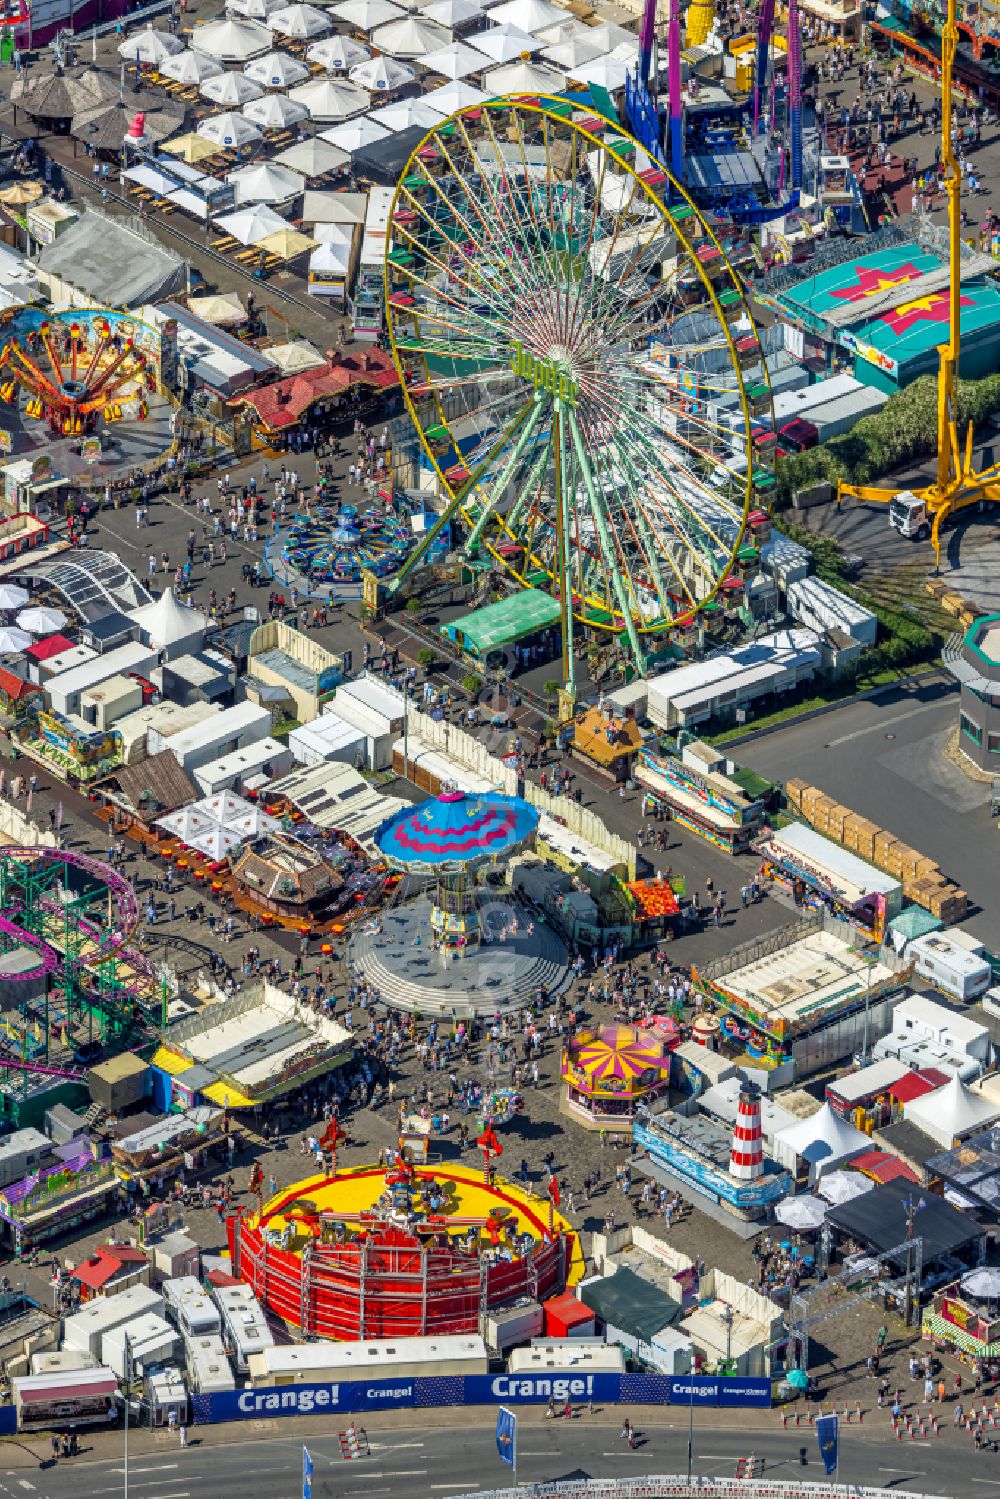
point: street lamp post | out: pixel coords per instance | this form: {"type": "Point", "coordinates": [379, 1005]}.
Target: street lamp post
{"type": "Point", "coordinates": [128, 1397]}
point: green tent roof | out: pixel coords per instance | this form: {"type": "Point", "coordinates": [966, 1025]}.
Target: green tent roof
{"type": "Point", "coordinates": [501, 624]}
{"type": "Point", "coordinates": [633, 1305]}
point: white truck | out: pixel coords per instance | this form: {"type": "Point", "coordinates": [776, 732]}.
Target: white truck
{"type": "Point", "coordinates": [908, 515]}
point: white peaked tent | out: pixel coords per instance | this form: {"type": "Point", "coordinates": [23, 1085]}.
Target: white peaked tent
{"type": "Point", "coordinates": [353, 134]}
{"type": "Point", "coordinates": [453, 12]}
{"type": "Point", "coordinates": [186, 823]}
{"type": "Point", "coordinates": [223, 806]}
{"type": "Point", "coordinates": [530, 15]}
{"type": "Point", "coordinates": [606, 72]}
{"type": "Point", "coordinates": [313, 158]}
{"type": "Point", "coordinates": [823, 1141]}
{"type": "Point", "coordinates": [190, 68]}
{"type": "Point", "coordinates": [951, 1112]}
{"type": "Point", "coordinates": [275, 112]}
{"type": "Point", "coordinates": [363, 15]}
{"type": "Point", "coordinates": [276, 70]}
{"type": "Point", "coordinates": [300, 22]}
{"type": "Point", "coordinates": [149, 46]}
{"type": "Point", "coordinates": [524, 78]}
{"type": "Point", "coordinates": [232, 41]}
{"type": "Point", "coordinates": [381, 74]}
{"type": "Point", "coordinates": [266, 182]}
{"type": "Point", "coordinates": [331, 98]}
{"type": "Point", "coordinates": [216, 842]}
{"type": "Point", "coordinates": [229, 129]}
{"type": "Point", "coordinates": [405, 113]}
{"type": "Point", "coordinates": [572, 53]}
{"type": "Point", "coordinates": [337, 53]}
{"type": "Point", "coordinates": [253, 10]}
{"type": "Point", "coordinates": [168, 626]}
{"type": "Point", "coordinates": [457, 60]}
{"type": "Point", "coordinates": [843, 1186]}
{"type": "Point", "coordinates": [231, 90]}
{"type": "Point", "coordinates": [611, 36]}
{"type": "Point", "coordinates": [503, 43]}
{"type": "Point", "coordinates": [453, 96]}
{"type": "Point", "coordinates": [252, 224]}
{"type": "Point", "coordinates": [410, 37]}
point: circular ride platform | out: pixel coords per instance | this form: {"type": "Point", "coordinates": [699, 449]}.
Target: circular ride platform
{"type": "Point", "coordinates": [517, 955]}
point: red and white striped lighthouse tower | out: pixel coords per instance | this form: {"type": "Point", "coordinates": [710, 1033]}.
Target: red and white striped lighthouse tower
{"type": "Point", "coordinates": [747, 1159]}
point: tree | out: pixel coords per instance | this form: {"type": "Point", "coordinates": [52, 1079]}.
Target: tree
{"type": "Point", "coordinates": [413, 606]}
{"type": "Point", "coordinates": [426, 657]}
{"type": "Point", "coordinates": [551, 687]}
{"type": "Point", "coordinates": [472, 684]}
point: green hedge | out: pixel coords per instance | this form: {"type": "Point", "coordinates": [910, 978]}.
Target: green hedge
{"type": "Point", "coordinates": [904, 431]}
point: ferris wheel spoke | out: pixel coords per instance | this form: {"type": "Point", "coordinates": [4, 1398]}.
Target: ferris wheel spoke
{"type": "Point", "coordinates": [654, 540]}
{"type": "Point", "coordinates": [663, 472]}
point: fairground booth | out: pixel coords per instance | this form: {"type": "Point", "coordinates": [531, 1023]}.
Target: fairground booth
{"type": "Point", "coordinates": [722, 802]}
{"type": "Point", "coordinates": [522, 619]}
{"type": "Point", "coordinates": [820, 875]}
{"type": "Point", "coordinates": [966, 1314]}
{"type": "Point", "coordinates": [609, 1070]}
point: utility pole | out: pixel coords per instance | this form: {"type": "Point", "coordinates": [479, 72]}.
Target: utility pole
{"type": "Point", "coordinates": [128, 1400]}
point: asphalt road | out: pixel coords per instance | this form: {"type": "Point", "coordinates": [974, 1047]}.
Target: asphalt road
{"type": "Point", "coordinates": [417, 1462]}
{"type": "Point", "coordinates": [884, 758]}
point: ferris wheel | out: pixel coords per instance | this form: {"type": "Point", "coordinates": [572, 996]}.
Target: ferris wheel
{"type": "Point", "coordinates": [580, 363]}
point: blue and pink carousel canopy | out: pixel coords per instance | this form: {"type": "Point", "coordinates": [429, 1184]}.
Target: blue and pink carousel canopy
{"type": "Point", "coordinates": [456, 830]}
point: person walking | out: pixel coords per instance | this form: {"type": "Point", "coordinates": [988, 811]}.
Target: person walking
{"type": "Point", "coordinates": [184, 1435]}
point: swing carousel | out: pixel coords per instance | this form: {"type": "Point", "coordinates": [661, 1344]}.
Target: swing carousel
{"type": "Point", "coordinates": [454, 944]}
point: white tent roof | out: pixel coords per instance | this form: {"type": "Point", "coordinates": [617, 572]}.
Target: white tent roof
{"type": "Point", "coordinates": [530, 15]}
{"type": "Point", "coordinates": [340, 235]}
{"type": "Point", "coordinates": [231, 90]}
{"type": "Point", "coordinates": [843, 1186]}
{"type": "Point", "coordinates": [503, 43]}
{"type": "Point", "coordinates": [276, 70]}
{"type": "Point", "coordinates": [167, 622]}
{"type": "Point", "coordinates": [452, 12]}
{"type": "Point", "coordinates": [381, 74]}
{"type": "Point", "coordinates": [457, 60]}
{"type": "Point", "coordinates": [564, 30]}
{"type": "Point", "coordinates": [229, 129]}
{"type": "Point", "coordinates": [300, 21]}
{"type": "Point", "coordinates": [266, 182]}
{"type": "Point", "coordinates": [150, 46]}
{"type": "Point", "coordinates": [823, 1137]}
{"type": "Point", "coordinates": [950, 1112]}
{"type": "Point", "coordinates": [313, 157]}
{"type": "Point", "coordinates": [293, 358]}
{"type": "Point", "coordinates": [336, 53]}
{"type": "Point", "coordinates": [252, 224]}
{"type": "Point", "coordinates": [216, 842]}
{"type": "Point", "coordinates": [453, 96]}
{"type": "Point", "coordinates": [255, 10]}
{"type": "Point", "coordinates": [190, 67]}
{"type": "Point", "coordinates": [351, 135]}
{"type": "Point", "coordinates": [331, 98]}
{"type": "Point", "coordinates": [186, 823]}
{"type": "Point", "coordinates": [365, 14]}
{"type": "Point", "coordinates": [606, 72]}
{"type": "Point", "coordinates": [406, 112]}
{"type": "Point", "coordinates": [525, 78]}
{"type": "Point", "coordinates": [610, 35]}
{"type": "Point", "coordinates": [572, 53]}
{"type": "Point", "coordinates": [411, 37]}
{"type": "Point", "coordinates": [223, 806]}
{"type": "Point", "coordinates": [232, 41]}
{"type": "Point", "coordinates": [275, 112]}
{"type": "Point", "coordinates": [332, 255]}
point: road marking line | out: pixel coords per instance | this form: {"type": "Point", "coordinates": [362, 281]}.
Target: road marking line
{"type": "Point", "coordinates": [368, 1491]}
{"type": "Point", "coordinates": [994, 1483]}
{"type": "Point", "coordinates": [911, 1473]}
{"type": "Point", "coordinates": [392, 1446]}
{"type": "Point", "coordinates": [882, 724]}
{"type": "Point", "coordinates": [160, 1468]}
{"type": "Point", "coordinates": [185, 1495]}
{"type": "Point", "coordinates": [405, 1472]}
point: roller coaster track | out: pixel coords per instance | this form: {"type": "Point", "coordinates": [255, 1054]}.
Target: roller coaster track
{"type": "Point", "coordinates": [105, 946]}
